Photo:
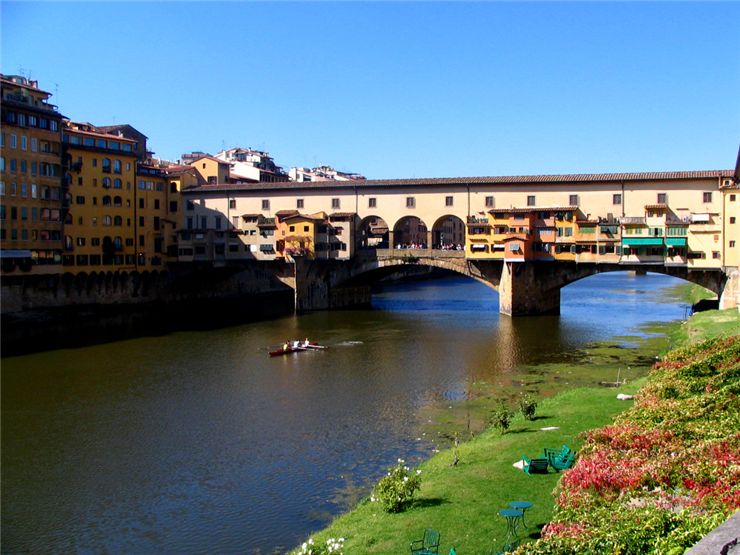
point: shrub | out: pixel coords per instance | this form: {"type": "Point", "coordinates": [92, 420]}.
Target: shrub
{"type": "Point", "coordinates": [396, 489]}
{"type": "Point", "coordinates": [332, 545]}
{"type": "Point", "coordinates": [501, 418]}
{"type": "Point", "coordinates": [528, 406]}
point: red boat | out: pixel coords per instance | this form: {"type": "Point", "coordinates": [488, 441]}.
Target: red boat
{"type": "Point", "coordinates": [302, 346]}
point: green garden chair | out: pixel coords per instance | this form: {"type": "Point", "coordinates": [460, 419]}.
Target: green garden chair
{"type": "Point", "coordinates": [427, 545]}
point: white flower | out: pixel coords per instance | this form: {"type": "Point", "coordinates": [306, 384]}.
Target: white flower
{"type": "Point", "coordinates": [418, 471]}
{"type": "Point", "coordinates": [405, 478]}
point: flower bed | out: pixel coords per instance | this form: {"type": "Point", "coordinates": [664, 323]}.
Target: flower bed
{"type": "Point", "coordinates": [666, 472]}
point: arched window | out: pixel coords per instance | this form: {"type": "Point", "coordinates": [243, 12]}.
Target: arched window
{"type": "Point", "coordinates": [68, 242]}
{"type": "Point", "coordinates": [106, 183]}
{"type": "Point", "coordinates": [107, 220]}
{"type": "Point", "coordinates": [117, 201]}
{"type": "Point", "coordinates": [118, 243]}
{"type": "Point", "coordinates": [173, 187]}
{"type": "Point", "coordinates": [106, 165]}
{"type": "Point", "coordinates": [117, 166]}
{"type": "Point", "coordinates": [118, 221]}
{"type": "Point", "coordinates": [116, 183]}
{"type": "Point", "coordinates": [106, 200]}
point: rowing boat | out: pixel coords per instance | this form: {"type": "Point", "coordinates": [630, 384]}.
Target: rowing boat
{"type": "Point", "coordinates": [300, 348]}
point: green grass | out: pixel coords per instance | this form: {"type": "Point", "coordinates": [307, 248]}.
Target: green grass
{"type": "Point", "coordinates": [462, 502]}
{"type": "Point", "coordinates": [704, 325]}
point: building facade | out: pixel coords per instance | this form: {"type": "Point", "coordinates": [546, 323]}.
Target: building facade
{"type": "Point", "coordinates": [33, 189]}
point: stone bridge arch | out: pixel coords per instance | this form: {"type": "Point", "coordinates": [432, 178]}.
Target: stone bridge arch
{"type": "Point", "coordinates": [448, 233]}
{"type": "Point", "coordinates": [525, 288]}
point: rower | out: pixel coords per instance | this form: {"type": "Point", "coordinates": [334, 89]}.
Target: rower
{"type": "Point", "coordinates": [306, 343]}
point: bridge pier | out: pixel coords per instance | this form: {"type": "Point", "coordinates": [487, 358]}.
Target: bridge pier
{"type": "Point", "coordinates": [528, 289]}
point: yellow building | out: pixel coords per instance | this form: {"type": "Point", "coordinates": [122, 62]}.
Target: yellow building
{"type": "Point", "coordinates": [210, 170]}
{"type": "Point", "coordinates": [731, 198]}
{"type": "Point", "coordinates": [157, 205]}
{"type": "Point", "coordinates": [101, 228]}
{"type": "Point", "coordinates": [32, 186]}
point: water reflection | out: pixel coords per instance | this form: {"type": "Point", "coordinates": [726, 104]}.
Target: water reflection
{"type": "Point", "coordinates": [199, 442]}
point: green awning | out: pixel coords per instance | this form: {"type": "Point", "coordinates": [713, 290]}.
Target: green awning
{"type": "Point", "coordinates": [642, 241]}
{"type": "Point", "coordinates": [675, 241]}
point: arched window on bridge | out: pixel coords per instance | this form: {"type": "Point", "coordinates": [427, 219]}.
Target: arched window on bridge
{"type": "Point", "coordinates": [448, 233]}
{"type": "Point", "coordinates": [373, 233]}
{"type": "Point", "coordinates": [410, 233]}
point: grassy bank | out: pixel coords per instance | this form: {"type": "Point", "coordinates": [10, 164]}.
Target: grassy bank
{"type": "Point", "coordinates": [463, 501]}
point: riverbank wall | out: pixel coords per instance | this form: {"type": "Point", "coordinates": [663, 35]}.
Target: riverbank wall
{"type": "Point", "coordinates": [57, 311]}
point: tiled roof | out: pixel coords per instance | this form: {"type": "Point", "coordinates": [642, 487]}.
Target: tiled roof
{"type": "Point", "coordinates": [342, 214]}
{"type": "Point", "coordinates": [490, 180]}
{"type": "Point", "coordinates": [658, 206]}
{"type": "Point", "coordinates": [534, 209]}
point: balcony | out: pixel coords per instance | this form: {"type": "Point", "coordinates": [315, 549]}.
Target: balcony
{"type": "Point", "coordinates": [633, 220]}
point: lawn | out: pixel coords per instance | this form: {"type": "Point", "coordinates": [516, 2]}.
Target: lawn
{"type": "Point", "coordinates": [462, 501]}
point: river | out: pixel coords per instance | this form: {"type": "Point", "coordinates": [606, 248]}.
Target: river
{"type": "Point", "coordinates": [199, 442]}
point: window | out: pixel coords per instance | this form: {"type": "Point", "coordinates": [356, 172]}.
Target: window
{"type": "Point", "coordinates": [13, 141]}
{"type": "Point", "coordinates": [232, 204]}
{"type": "Point", "coordinates": [489, 202]}
{"type": "Point", "coordinates": [732, 244]}
{"type": "Point", "coordinates": [118, 221]}
{"type": "Point", "coordinates": [173, 206]}
{"type": "Point", "coordinates": [573, 200]}
{"type": "Point", "coordinates": [95, 241]}
{"type": "Point", "coordinates": [141, 221]}
{"type": "Point", "coordinates": [617, 199]}
{"type": "Point", "coordinates": [117, 183]}
{"type": "Point", "coordinates": [217, 222]}
{"type": "Point", "coordinates": [265, 204]}
{"type": "Point", "coordinates": [410, 202]}
{"type": "Point", "coordinates": [732, 219]}
{"type": "Point", "coordinates": [106, 165]}
{"type": "Point", "coordinates": [80, 200]}
{"type": "Point", "coordinates": [335, 203]}
{"type": "Point", "coordinates": [34, 144]}
{"type": "Point", "coordinates": [531, 200]}
{"type": "Point", "coordinates": [448, 201]}
{"type": "Point", "coordinates": [305, 228]}
{"type": "Point", "coordinates": [662, 198]}
{"type": "Point", "coordinates": [80, 241]}
{"type": "Point", "coordinates": [732, 198]}
{"type": "Point", "coordinates": [24, 142]}
{"type": "Point", "coordinates": [707, 197]}
{"type": "Point", "coordinates": [141, 202]}
{"type": "Point", "coordinates": [107, 220]}
{"type": "Point", "coordinates": [106, 182]}
{"type": "Point", "coordinates": [372, 202]}
{"type": "Point", "coordinates": [715, 254]}
{"type": "Point", "coordinates": [299, 203]}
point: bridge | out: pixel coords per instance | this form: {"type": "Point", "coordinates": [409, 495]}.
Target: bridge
{"type": "Point", "coordinates": [525, 236]}
{"type": "Point", "coordinates": [524, 288]}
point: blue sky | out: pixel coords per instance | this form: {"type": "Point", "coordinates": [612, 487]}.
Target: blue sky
{"type": "Point", "coordinates": [399, 89]}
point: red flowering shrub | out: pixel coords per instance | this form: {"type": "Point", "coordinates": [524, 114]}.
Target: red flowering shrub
{"type": "Point", "coordinates": [666, 472]}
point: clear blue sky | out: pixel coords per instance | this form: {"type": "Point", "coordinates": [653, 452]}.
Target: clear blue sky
{"type": "Point", "coordinates": [393, 89]}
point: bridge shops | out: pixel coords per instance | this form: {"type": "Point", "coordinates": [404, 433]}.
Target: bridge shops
{"type": "Point", "coordinates": [527, 237]}
{"type": "Point", "coordinates": [662, 218]}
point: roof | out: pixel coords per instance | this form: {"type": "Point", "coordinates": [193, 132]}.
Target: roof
{"type": "Point", "coordinates": [342, 215]}
{"type": "Point", "coordinates": [122, 127]}
{"type": "Point", "coordinates": [209, 157]}
{"type": "Point", "coordinates": [534, 209]}
{"type": "Point", "coordinates": [466, 181]}
{"type": "Point", "coordinates": [286, 212]}
{"type": "Point", "coordinates": [658, 206]}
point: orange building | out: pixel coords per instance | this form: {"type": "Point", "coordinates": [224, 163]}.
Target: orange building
{"type": "Point", "coordinates": [33, 191]}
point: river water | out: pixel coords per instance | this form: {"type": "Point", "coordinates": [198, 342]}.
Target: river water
{"type": "Point", "coordinates": [199, 442]}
